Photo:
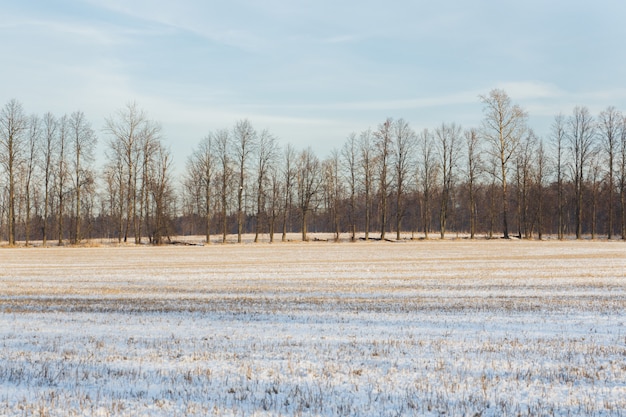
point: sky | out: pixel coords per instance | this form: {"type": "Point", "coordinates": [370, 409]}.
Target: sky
{"type": "Point", "coordinates": [310, 71]}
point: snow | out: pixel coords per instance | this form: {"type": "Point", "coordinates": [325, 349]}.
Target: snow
{"type": "Point", "coordinates": [434, 328]}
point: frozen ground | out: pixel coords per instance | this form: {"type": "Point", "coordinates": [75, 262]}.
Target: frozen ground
{"type": "Point", "coordinates": [486, 328]}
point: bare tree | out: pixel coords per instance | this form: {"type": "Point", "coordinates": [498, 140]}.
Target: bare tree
{"type": "Point", "coordinates": [267, 150]}
{"type": "Point", "coordinates": [503, 127]}
{"type": "Point", "coordinates": [473, 169]}
{"type": "Point", "coordinates": [244, 143]}
{"type": "Point", "coordinates": [367, 164]}
{"type": "Point", "coordinates": [308, 181]}
{"type": "Point", "coordinates": [13, 125]}
{"type": "Point", "coordinates": [47, 160]}
{"type": "Point", "coordinates": [31, 160]}
{"type": "Point", "coordinates": [581, 136]}
{"type": "Point", "coordinates": [62, 173]}
{"type": "Point", "coordinates": [524, 177]}
{"type": "Point", "coordinates": [622, 176]}
{"type": "Point", "coordinates": [222, 143]}
{"type": "Point", "coordinates": [83, 142]}
{"type": "Point", "coordinates": [403, 160]}
{"type": "Point", "coordinates": [541, 168]}
{"type": "Point", "coordinates": [114, 189]}
{"type": "Point", "coordinates": [193, 196]}
{"type": "Point", "coordinates": [595, 174]}
{"type": "Point", "coordinates": [429, 171]}
{"type": "Point", "coordinates": [384, 143]}
{"type": "Point", "coordinates": [350, 159]}
{"type": "Point", "coordinates": [610, 123]}
{"type": "Point", "coordinates": [149, 144]}
{"type": "Point", "coordinates": [492, 169]}
{"type": "Point", "coordinates": [449, 147]}
{"type": "Point", "coordinates": [289, 179]}
{"type": "Point", "coordinates": [201, 167]}
{"type": "Point", "coordinates": [333, 190]}
{"type": "Point", "coordinates": [159, 183]}
{"type": "Point", "coordinates": [48, 179]}
{"type": "Point", "coordinates": [125, 134]}
{"type": "Point", "coordinates": [558, 142]}
{"type": "Point", "coordinates": [276, 186]}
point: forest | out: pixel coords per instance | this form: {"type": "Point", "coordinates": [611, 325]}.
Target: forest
{"type": "Point", "coordinates": [389, 182]}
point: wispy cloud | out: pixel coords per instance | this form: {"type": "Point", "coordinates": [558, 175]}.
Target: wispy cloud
{"type": "Point", "coordinates": [525, 90]}
{"type": "Point", "coordinates": [306, 68]}
{"type": "Point", "coordinates": [74, 31]}
{"type": "Point", "coordinates": [342, 39]}
{"type": "Point", "coordinates": [189, 17]}
{"type": "Point", "coordinates": [464, 97]}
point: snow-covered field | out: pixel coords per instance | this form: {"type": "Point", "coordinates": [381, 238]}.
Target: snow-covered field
{"type": "Point", "coordinates": [486, 328]}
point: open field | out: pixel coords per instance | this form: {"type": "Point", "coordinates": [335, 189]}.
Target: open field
{"type": "Point", "coordinates": [487, 328]}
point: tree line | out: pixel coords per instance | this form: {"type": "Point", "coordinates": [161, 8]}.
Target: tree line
{"type": "Point", "coordinates": [386, 182]}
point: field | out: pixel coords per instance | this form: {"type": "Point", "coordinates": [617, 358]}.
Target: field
{"type": "Point", "coordinates": [455, 328]}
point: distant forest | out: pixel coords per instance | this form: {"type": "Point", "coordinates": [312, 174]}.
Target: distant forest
{"type": "Point", "coordinates": [498, 179]}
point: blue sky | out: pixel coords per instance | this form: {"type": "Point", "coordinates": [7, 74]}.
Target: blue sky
{"type": "Point", "coordinates": [310, 71]}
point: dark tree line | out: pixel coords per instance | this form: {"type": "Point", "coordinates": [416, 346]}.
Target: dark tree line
{"type": "Point", "coordinates": [496, 179]}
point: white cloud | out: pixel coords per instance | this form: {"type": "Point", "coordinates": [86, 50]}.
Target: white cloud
{"type": "Point", "coordinates": [463, 97]}
{"type": "Point", "coordinates": [339, 39]}
{"type": "Point", "coordinates": [525, 90]}
{"type": "Point", "coordinates": [199, 18]}
{"type": "Point", "coordinates": [310, 71]}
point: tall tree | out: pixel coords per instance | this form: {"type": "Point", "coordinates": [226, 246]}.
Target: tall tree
{"type": "Point", "coordinates": [83, 143]}
{"type": "Point", "coordinates": [267, 151]}
{"type": "Point", "coordinates": [275, 206]}
{"type": "Point", "coordinates": [492, 169]}
{"type": "Point", "coordinates": [222, 143]}
{"type": "Point", "coordinates": [366, 168]}
{"type": "Point", "coordinates": [384, 144]}
{"type": "Point", "coordinates": [610, 123]}
{"type": "Point", "coordinates": [333, 190]}
{"type": "Point", "coordinates": [524, 176]}
{"type": "Point", "coordinates": [244, 143]}
{"type": "Point", "coordinates": [503, 127]}
{"type": "Point", "coordinates": [124, 129]}
{"type": "Point", "coordinates": [429, 170]}
{"type": "Point", "coordinates": [473, 167]}
{"type": "Point", "coordinates": [581, 136]}
{"type": "Point", "coordinates": [541, 168]}
{"type": "Point", "coordinates": [449, 146]}
{"type": "Point", "coordinates": [308, 182]}
{"type": "Point", "coordinates": [13, 125]}
{"type": "Point", "coordinates": [114, 189]}
{"type": "Point", "coordinates": [595, 174]}
{"type": "Point", "coordinates": [159, 184]}
{"type": "Point", "coordinates": [31, 161]}
{"type": "Point", "coordinates": [558, 143]}
{"type": "Point", "coordinates": [622, 176]}
{"type": "Point", "coordinates": [289, 180]}
{"type": "Point", "coordinates": [350, 160]}
{"type": "Point", "coordinates": [150, 152]}
{"type": "Point", "coordinates": [403, 160]}
{"type": "Point", "coordinates": [62, 173]}
{"type": "Point", "coordinates": [48, 147]}
{"type": "Point", "coordinates": [132, 142]}
{"type": "Point", "coordinates": [200, 173]}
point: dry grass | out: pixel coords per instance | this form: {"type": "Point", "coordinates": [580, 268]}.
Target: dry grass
{"type": "Point", "coordinates": [371, 328]}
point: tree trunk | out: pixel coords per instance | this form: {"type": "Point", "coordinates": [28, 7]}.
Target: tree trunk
{"type": "Point", "coordinates": [208, 212]}
{"type": "Point", "coordinates": [399, 212]}
{"type": "Point", "coordinates": [367, 213]}
{"type": "Point", "coordinates": [472, 208]}
{"type": "Point", "coordinates": [623, 209]}
{"type": "Point", "coordinates": [304, 227]}
{"type": "Point", "coordinates": [505, 205]}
